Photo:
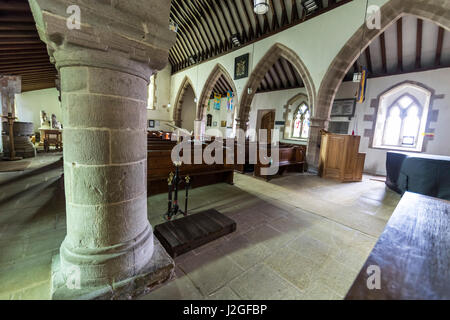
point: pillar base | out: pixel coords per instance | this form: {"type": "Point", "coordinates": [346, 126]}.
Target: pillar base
{"type": "Point", "coordinates": [160, 269]}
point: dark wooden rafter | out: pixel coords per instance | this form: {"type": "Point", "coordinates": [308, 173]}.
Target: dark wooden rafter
{"type": "Point", "coordinates": [189, 13]}
{"type": "Point", "coordinates": [232, 10]}
{"type": "Point", "coordinates": [217, 27]}
{"type": "Point", "coordinates": [284, 19]}
{"type": "Point", "coordinates": [275, 23]}
{"type": "Point", "coordinates": [419, 43]}
{"type": "Point", "coordinates": [400, 44]}
{"type": "Point", "coordinates": [196, 35]}
{"type": "Point", "coordinates": [252, 33]}
{"type": "Point", "coordinates": [383, 52]}
{"type": "Point", "coordinates": [22, 53]}
{"type": "Point", "coordinates": [258, 30]}
{"type": "Point", "coordinates": [209, 24]}
{"type": "Point", "coordinates": [206, 26]}
{"type": "Point", "coordinates": [232, 22]}
{"type": "Point", "coordinates": [369, 60]}
{"type": "Point", "coordinates": [440, 45]}
{"type": "Point", "coordinates": [294, 11]}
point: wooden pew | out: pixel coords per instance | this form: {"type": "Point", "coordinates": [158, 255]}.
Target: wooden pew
{"type": "Point", "coordinates": [290, 159]}
{"type": "Point", "coordinates": [160, 165]}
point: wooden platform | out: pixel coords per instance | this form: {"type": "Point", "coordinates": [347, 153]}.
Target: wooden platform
{"type": "Point", "coordinates": [186, 234]}
{"type": "Point", "coordinates": [412, 253]}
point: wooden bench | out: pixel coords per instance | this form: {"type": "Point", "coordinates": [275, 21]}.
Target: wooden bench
{"type": "Point", "coordinates": [412, 254]}
{"type": "Point", "coordinates": [160, 165]}
{"type": "Point", "coordinates": [290, 159]}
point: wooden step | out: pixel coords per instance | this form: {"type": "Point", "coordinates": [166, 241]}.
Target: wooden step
{"type": "Point", "coordinates": [188, 233]}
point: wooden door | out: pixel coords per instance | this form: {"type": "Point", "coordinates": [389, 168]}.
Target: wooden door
{"type": "Point", "coordinates": [268, 123]}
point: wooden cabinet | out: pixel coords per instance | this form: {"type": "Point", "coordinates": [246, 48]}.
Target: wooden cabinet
{"type": "Point", "coordinates": [340, 158]}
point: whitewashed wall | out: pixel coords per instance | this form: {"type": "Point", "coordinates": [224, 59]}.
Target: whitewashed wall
{"type": "Point", "coordinates": [29, 106]}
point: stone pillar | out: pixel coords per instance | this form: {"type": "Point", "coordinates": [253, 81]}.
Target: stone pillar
{"type": "Point", "coordinates": [105, 67]}
{"type": "Point", "coordinates": [199, 129]}
{"type": "Point", "coordinates": [9, 86]}
{"type": "Point", "coordinates": [313, 151]}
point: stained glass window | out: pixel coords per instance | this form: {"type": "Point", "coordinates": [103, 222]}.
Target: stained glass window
{"type": "Point", "coordinates": [301, 122]}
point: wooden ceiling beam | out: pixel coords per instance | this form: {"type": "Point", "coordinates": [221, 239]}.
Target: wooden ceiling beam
{"type": "Point", "coordinates": [290, 74]}
{"type": "Point", "coordinates": [440, 45]}
{"type": "Point", "coordinates": [197, 26]}
{"type": "Point", "coordinates": [419, 43]}
{"type": "Point", "coordinates": [14, 6]}
{"type": "Point", "coordinates": [18, 34]}
{"type": "Point", "coordinates": [24, 58]}
{"type": "Point", "coordinates": [257, 22]}
{"type": "Point", "coordinates": [275, 23]}
{"type": "Point", "coordinates": [276, 77]}
{"type": "Point", "coordinates": [269, 80]}
{"type": "Point", "coordinates": [182, 20]}
{"type": "Point", "coordinates": [279, 74]}
{"type": "Point", "coordinates": [224, 43]}
{"type": "Point", "coordinates": [205, 27]}
{"type": "Point", "coordinates": [252, 33]}
{"type": "Point", "coordinates": [16, 18]}
{"type": "Point", "coordinates": [14, 41]}
{"type": "Point", "coordinates": [400, 44]}
{"type": "Point", "coordinates": [383, 52]}
{"type": "Point", "coordinates": [232, 20]}
{"type": "Point", "coordinates": [369, 60]}
{"type": "Point", "coordinates": [209, 25]}
{"type": "Point", "coordinates": [294, 11]}
{"type": "Point", "coordinates": [244, 36]}
{"type": "Point", "coordinates": [19, 47]}
{"type": "Point", "coordinates": [284, 19]}
{"type": "Point", "coordinates": [25, 62]}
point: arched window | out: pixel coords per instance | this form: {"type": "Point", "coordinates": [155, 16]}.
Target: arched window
{"type": "Point", "coordinates": [301, 122]}
{"type": "Point", "coordinates": [209, 120]}
{"type": "Point", "coordinates": [401, 119]}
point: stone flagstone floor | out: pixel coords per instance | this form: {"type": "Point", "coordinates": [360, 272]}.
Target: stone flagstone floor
{"type": "Point", "coordinates": [298, 236]}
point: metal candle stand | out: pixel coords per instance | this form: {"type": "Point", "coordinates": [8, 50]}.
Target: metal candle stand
{"type": "Point", "coordinates": [173, 183]}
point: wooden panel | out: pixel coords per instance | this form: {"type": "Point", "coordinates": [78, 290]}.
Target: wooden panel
{"type": "Point", "coordinates": [412, 253]}
{"type": "Point", "coordinates": [339, 157]}
{"type": "Point", "coordinates": [188, 233]}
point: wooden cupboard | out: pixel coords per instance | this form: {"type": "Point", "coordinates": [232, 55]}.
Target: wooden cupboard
{"type": "Point", "coordinates": [340, 158]}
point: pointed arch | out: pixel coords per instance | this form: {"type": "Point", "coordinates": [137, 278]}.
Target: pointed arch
{"type": "Point", "coordinates": [437, 11]}
{"type": "Point", "coordinates": [185, 84]}
{"type": "Point", "coordinates": [218, 72]}
{"type": "Point", "coordinates": [276, 52]}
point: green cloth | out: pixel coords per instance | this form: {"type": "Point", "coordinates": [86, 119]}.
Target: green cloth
{"type": "Point", "coordinates": [424, 174]}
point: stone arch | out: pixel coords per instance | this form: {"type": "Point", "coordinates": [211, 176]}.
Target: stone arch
{"type": "Point", "coordinates": [273, 54]}
{"type": "Point", "coordinates": [214, 76]}
{"type": "Point", "coordinates": [185, 84]}
{"type": "Point", "coordinates": [437, 11]}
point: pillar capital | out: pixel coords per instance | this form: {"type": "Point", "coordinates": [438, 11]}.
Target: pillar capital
{"type": "Point", "coordinates": [128, 36]}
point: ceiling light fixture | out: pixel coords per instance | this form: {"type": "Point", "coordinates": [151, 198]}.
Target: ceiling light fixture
{"type": "Point", "coordinates": [235, 40]}
{"type": "Point", "coordinates": [261, 6]}
{"type": "Point", "coordinates": [310, 6]}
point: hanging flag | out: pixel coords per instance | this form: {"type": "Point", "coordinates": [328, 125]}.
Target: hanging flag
{"type": "Point", "coordinates": [230, 101]}
{"type": "Point", "coordinates": [362, 86]}
{"type": "Point", "coordinates": [217, 98]}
